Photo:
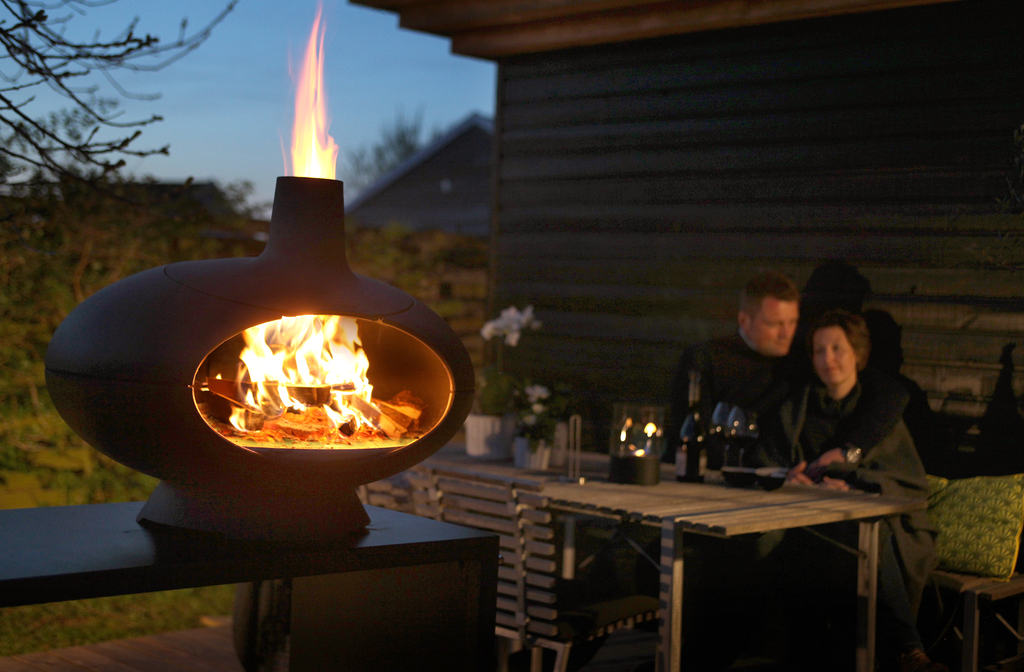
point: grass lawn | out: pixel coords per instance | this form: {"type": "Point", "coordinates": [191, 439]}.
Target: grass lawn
{"type": "Point", "coordinates": [42, 463]}
{"type": "Point", "coordinates": [39, 627]}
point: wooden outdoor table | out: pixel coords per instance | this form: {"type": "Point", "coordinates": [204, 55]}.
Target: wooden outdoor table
{"type": "Point", "coordinates": [728, 512]}
{"type": "Point", "coordinates": [711, 509]}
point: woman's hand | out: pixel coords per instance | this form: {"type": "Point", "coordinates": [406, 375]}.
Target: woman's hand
{"type": "Point", "coordinates": [798, 474]}
{"type": "Point", "coordinates": [815, 470]}
{"type": "Point", "coordinates": [834, 484]}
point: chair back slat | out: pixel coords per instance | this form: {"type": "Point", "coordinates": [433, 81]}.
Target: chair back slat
{"type": "Point", "coordinates": [536, 516]}
{"type": "Point", "coordinates": [542, 628]}
{"type": "Point", "coordinates": [540, 547]}
{"type": "Point", "coordinates": [541, 612]}
{"type": "Point", "coordinates": [504, 509]}
{"type": "Point", "coordinates": [481, 522]}
{"type": "Point", "coordinates": [541, 597]}
{"type": "Point", "coordinates": [452, 486]}
{"type": "Point", "coordinates": [540, 580]}
{"type": "Point", "coordinates": [541, 532]}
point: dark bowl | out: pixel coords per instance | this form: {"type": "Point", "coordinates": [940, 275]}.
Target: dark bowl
{"type": "Point", "coordinates": [771, 478]}
{"type": "Point", "coordinates": [740, 477]}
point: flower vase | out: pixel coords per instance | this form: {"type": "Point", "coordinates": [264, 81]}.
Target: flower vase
{"type": "Point", "coordinates": [489, 437]}
{"type": "Point", "coordinates": [536, 460]}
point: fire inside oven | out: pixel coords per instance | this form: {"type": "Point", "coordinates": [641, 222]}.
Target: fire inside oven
{"type": "Point", "coordinates": [322, 382]}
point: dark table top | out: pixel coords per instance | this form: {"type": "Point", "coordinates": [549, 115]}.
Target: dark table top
{"type": "Point", "coordinates": [73, 552]}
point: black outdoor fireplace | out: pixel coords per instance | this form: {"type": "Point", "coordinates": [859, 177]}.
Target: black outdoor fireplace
{"type": "Point", "coordinates": [262, 390]}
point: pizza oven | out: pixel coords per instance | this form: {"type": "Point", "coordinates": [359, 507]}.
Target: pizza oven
{"type": "Point", "coordinates": [262, 391]}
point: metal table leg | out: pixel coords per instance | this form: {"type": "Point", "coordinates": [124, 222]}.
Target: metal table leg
{"type": "Point", "coordinates": [670, 597]}
{"type": "Point", "coordinates": [867, 594]}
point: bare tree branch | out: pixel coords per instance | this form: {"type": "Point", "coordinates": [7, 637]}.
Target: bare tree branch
{"type": "Point", "coordinates": [37, 51]}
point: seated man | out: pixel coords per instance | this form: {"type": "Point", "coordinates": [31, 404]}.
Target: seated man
{"type": "Point", "coordinates": [750, 368]}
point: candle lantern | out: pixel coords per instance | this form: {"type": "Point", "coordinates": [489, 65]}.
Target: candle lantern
{"type": "Point", "coordinates": [636, 443]}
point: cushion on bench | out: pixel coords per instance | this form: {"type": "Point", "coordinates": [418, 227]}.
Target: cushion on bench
{"type": "Point", "coordinates": [979, 522]}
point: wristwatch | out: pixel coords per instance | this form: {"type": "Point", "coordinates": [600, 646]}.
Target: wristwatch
{"type": "Point", "coordinates": [852, 453]}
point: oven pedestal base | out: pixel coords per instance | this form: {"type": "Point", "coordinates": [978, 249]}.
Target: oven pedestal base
{"type": "Point", "coordinates": [248, 512]}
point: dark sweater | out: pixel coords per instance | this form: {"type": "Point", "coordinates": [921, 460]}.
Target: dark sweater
{"type": "Point", "coordinates": [730, 371]}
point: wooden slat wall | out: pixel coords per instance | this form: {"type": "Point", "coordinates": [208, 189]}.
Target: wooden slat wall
{"type": "Point", "coordinates": [640, 184]}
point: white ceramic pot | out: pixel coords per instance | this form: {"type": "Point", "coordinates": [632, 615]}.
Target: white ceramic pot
{"type": "Point", "coordinates": [489, 437]}
{"type": "Point", "coordinates": [525, 459]}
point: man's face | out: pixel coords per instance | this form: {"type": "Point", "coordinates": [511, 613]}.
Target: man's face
{"type": "Point", "coordinates": [771, 328]}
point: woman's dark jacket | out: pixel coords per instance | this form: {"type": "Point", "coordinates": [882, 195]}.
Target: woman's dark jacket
{"type": "Point", "coordinates": [892, 467]}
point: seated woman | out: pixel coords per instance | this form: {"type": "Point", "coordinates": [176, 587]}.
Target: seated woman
{"type": "Point", "coordinates": [802, 437]}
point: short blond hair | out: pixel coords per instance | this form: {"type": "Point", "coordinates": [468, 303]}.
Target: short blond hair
{"type": "Point", "coordinates": [762, 285]}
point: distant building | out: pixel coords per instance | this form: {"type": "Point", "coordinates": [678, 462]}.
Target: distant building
{"type": "Point", "coordinates": [207, 195]}
{"type": "Point", "coordinates": [445, 186]}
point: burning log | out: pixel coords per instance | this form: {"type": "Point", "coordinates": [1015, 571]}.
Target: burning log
{"type": "Point", "coordinates": [310, 425]}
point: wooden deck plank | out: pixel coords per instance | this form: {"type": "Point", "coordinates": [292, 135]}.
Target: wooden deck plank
{"type": "Point", "coordinates": [214, 650]}
{"type": "Point", "coordinates": [190, 660]}
{"type": "Point", "coordinates": [96, 658]}
{"type": "Point", "coordinates": [131, 658]}
{"type": "Point", "coordinates": [47, 661]}
{"type": "Point", "coordinates": [199, 650]}
{"type": "Point", "coordinates": [14, 665]}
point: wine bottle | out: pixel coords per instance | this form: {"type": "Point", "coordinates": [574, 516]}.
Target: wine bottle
{"type": "Point", "coordinates": [691, 438]}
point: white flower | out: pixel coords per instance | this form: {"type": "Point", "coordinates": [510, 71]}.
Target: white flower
{"type": "Point", "coordinates": [536, 392]}
{"type": "Point", "coordinates": [511, 315]}
{"type": "Point", "coordinates": [538, 408]}
{"type": "Point", "coordinates": [530, 420]}
{"type": "Point", "coordinates": [510, 324]}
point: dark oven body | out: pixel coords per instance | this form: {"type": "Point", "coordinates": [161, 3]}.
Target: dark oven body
{"type": "Point", "coordinates": [120, 368]}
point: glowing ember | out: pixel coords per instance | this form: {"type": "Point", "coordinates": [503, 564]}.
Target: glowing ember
{"type": "Point", "coordinates": [314, 153]}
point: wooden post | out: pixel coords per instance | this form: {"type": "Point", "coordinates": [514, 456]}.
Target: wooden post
{"type": "Point", "coordinates": [867, 595]}
{"type": "Point", "coordinates": [969, 657]}
{"type": "Point", "coordinates": [671, 597]}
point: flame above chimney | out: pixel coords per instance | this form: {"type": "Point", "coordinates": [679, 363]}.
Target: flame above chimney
{"type": "Point", "coordinates": [314, 152]}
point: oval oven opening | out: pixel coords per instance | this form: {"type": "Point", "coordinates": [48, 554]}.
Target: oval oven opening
{"type": "Point", "coordinates": [322, 383]}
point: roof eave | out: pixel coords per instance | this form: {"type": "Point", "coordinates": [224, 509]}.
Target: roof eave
{"type": "Point", "coordinates": [493, 29]}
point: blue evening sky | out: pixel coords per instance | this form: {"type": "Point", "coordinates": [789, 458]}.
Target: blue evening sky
{"type": "Point", "coordinates": [228, 106]}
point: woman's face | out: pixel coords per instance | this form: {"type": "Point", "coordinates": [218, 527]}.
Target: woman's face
{"type": "Point", "coordinates": [834, 359]}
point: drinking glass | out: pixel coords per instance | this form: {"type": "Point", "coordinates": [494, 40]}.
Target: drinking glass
{"type": "Point", "coordinates": [720, 417]}
{"type": "Point", "coordinates": [753, 431]}
{"type": "Point", "coordinates": [736, 422]}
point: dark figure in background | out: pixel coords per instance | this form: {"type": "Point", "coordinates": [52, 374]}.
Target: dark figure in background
{"type": "Point", "coordinates": [834, 284]}
{"type": "Point", "coordinates": [801, 437]}
{"type": "Point", "coordinates": [931, 433]}
{"type": "Point", "coordinates": [1001, 427]}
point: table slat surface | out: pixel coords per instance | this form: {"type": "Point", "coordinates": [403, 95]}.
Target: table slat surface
{"type": "Point", "coordinates": [728, 511]}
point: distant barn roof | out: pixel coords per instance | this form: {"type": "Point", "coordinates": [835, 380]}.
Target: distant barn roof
{"type": "Point", "coordinates": [445, 185]}
{"type": "Point", "coordinates": [496, 28]}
